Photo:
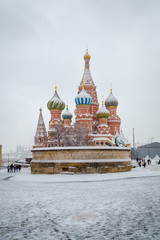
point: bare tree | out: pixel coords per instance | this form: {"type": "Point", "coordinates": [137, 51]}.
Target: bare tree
{"type": "Point", "coordinates": [56, 134]}
{"type": "Point", "coordinates": [77, 135]}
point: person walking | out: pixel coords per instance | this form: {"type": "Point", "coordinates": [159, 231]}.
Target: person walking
{"type": "Point", "coordinates": [11, 167]}
{"type": "Point", "coordinates": [139, 163]}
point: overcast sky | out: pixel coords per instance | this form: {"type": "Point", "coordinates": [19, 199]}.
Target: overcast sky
{"type": "Point", "coordinates": [44, 41]}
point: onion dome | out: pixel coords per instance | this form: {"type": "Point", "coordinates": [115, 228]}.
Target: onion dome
{"type": "Point", "coordinates": [103, 112]}
{"type": "Point", "coordinates": [83, 98]}
{"type": "Point", "coordinates": [87, 56]}
{"type": "Point", "coordinates": [55, 102]}
{"type": "Point", "coordinates": [67, 114]}
{"type": "Point", "coordinates": [111, 101]}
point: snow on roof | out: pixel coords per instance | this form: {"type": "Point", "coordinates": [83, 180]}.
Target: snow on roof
{"type": "Point", "coordinates": [156, 157]}
{"type": "Point", "coordinates": [100, 135]}
{"type": "Point", "coordinates": [78, 148]}
{"type": "Point", "coordinates": [87, 78]}
{"type": "Point", "coordinates": [147, 157]}
{"type": "Point", "coordinates": [102, 138]}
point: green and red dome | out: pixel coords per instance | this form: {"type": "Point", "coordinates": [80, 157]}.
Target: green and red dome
{"type": "Point", "coordinates": [111, 101]}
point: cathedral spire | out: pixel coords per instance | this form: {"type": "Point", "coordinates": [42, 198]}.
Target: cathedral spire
{"type": "Point", "coordinates": [111, 88]}
{"type": "Point", "coordinates": [55, 86]}
{"type": "Point", "coordinates": [40, 120]}
{"type": "Point", "coordinates": [87, 58]}
{"type": "Point", "coordinates": [87, 78]}
{"type": "Point", "coordinates": [102, 100]}
{"type": "Point", "coordinates": [41, 134]}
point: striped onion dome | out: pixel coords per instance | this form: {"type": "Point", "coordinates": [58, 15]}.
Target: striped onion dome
{"type": "Point", "coordinates": [67, 114]}
{"type": "Point", "coordinates": [103, 112]}
{"type": "Point", "coordinates": [55, 102]}
{"type": "Point", "coordinates": [83, 98]}
{"type": "Point", "coordinates": [111, 101]}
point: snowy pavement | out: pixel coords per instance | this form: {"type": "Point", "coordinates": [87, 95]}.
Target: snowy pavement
{"type": "Point", "coordinates": [95, 206]}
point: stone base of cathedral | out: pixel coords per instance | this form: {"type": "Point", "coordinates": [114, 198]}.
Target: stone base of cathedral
{"type": "Point", "coordinates": [78, 160]}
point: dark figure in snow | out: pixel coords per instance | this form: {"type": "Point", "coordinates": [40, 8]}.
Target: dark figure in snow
{"type": "Point", "coordinates": [11, 167]}
{"type": "Point", "coordinates": [144, 163]}
{"type": "Point", "coordinates": [148, 161]}
{"type": "Point", "coordinates": [8, 169]}
{"type": "Point", "coordinates": [139, 163]}
{"type": "Point", "coordinates": [14, 167]}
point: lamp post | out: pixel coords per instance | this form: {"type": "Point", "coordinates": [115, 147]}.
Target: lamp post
{"type": "Point", "coordinates": [133, 145]}
{"type": "Point", "coordinates": [8, 159]}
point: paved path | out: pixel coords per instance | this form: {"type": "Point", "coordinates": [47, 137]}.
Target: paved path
{"type": "Point", "coordinates": [121, 208]}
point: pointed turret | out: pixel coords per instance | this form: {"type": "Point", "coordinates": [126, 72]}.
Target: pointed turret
{"type": "Point", "coordinates": [114, 120]}
{"type": "Point", "coordinates": [90, 88]}
{"type": "Point", "coordinates": [83, 109]}
{"type": "Point", "coordinates": [87, 78]}
{"type": "Point", "coordinates": [103, 115]}
{"type": "Point", "coordinates": [55, 105]}
{"type": "Point", "coordinates": [41, 133]}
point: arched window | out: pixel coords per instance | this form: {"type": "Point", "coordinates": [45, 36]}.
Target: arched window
{"type": "Point", "coordinates": [97, 143]}
{"type": "Point", "coordinates": [39, 140]}
{"type": "Point", "coordinates": [101, 143]}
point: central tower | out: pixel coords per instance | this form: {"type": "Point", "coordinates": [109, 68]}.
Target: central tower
{"type": "Point", "coordinates": [90, 88]}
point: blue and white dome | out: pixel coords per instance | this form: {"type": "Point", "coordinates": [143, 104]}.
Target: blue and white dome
{"type": "Point", "coordinates": [83, 98]}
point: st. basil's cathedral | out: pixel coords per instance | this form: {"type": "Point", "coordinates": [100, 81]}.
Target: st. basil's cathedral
{"type": "Point", "coordinates": [103, 123]}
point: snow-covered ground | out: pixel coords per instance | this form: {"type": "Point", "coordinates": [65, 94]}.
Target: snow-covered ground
{"type": "Point", "coordinates": [96, 206]}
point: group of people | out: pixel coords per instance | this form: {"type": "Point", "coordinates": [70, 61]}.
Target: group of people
{"type": "Point", "coordinates": [13, 168]}
{"type": "Point", "coordinates": [142, 162]}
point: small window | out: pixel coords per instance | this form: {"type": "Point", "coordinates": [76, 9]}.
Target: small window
{"type": "Point", "coordinates": [101, 143]}
{"type": "Point", "coordinates": [108, 144]}
{"type": "Point", "coordinates": [97, 143]}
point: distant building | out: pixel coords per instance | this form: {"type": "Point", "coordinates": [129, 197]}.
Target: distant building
{"type": "Point", "coordinates": [22, 148]}
{"type": "Point", "coordinates": [151, 149]}
{"type": "Point", "coordinates": [0, 155]}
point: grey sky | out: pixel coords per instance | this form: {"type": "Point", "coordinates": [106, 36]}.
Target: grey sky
{"type": "Point", "coordinates": [44, 41]}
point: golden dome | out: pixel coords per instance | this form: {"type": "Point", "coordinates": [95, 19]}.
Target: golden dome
{"type": "Point", "coordinates": [87, 56]}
